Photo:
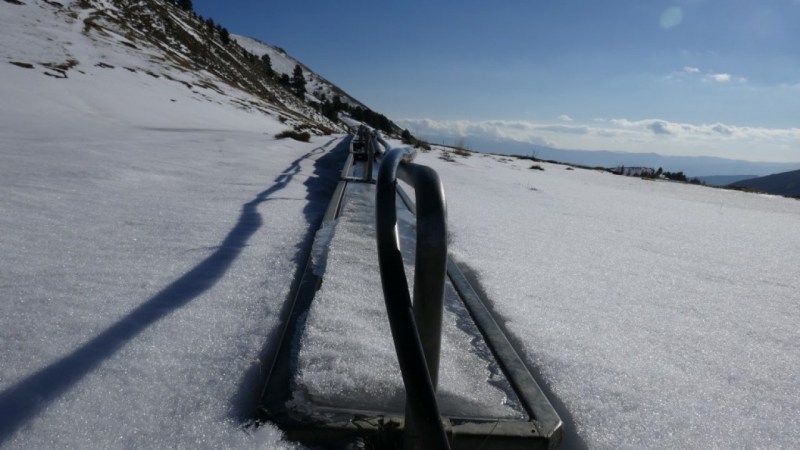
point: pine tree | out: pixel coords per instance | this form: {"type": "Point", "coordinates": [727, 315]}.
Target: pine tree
{"type": "Point", "coordinates": [185, 5]}
{"type": "Point", "coordinates": [267, 62]}
{"type": "Point", "coordinates": [298, 81]}
{"type": "Point", "coordinates": [224, 35]}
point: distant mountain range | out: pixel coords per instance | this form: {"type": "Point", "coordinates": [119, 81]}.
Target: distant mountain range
{"type": "Point", "coordinates": [787, 184]}
{"type": "Point", "coordinates": [724, 180]}
{"type": "Point", "coordinates": [703, 167]}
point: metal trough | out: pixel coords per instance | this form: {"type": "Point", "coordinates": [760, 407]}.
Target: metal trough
{"type": "Point", "coordinates": [416, 334]}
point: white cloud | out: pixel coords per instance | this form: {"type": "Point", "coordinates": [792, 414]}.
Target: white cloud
{"type": "Point", "coordinates": [660, 127]}
{"type": "Point", "coordinates": [565, 118]}
{"type": "Point", "coordinates": [689, 72]}
{"type": "Point", "coordinates": [657, 135]}
{"type": "Point", "coordinates": [449, 130]}
{"type": "Point", "coordinates": [719, 77]}
{"type": "Point", "coordinates": [724, 78]}
{"type": "Point", "coordinates": [723, 129]}
{"type": "Point", "coordinates": [705, 131]}
{"type": "Point", "coordinates": [563, 129]}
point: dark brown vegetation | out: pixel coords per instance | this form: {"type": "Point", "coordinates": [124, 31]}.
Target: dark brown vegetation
{"type": "Point", "coordinates": [302, 136]}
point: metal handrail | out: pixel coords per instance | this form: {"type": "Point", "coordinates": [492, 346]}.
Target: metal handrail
{"type": "Point", "coordinates": [382, 141]}
{"type": "Point", "coordinates": [371, 151]}
{"type": "Point", "coordinates": [416, 329]}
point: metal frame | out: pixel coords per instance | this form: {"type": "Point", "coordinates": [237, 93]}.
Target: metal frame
{"type": "Point", "coordinates": [331, 427]}
{"type": "Point", "coordinates": [416, 329]}
{"type": "Point", "coordinates": [530, 394]}
{"type": "Point", "coordinates": [369, 140]}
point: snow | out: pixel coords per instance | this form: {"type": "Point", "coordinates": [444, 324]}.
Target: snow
{"type": "Point", "coordinates": [150, 231]}
{"type": "Point", "coordinates": [346, 357]}
{"type": "Point", "coordinates": [186, 27]}
{"type": "Point", "coordinates": [150, 235]}
{"type": "Point", "coordinates": [110, 81]}
{"type": "Point", "coordinates": [661, 315]}
{"type": "Point", "coordinates": [142, 274]}
{"type": "Point", "coordinates": [282, 63]}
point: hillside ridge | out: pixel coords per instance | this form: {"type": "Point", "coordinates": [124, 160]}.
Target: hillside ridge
{"type": "Point", "coordinates": [172, 47]}
{"type": "Point", "coordinates": [784, 183]}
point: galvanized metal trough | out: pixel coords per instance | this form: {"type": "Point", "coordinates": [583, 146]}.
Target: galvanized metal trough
{"type": "Point", "coordinates": [416, 329]}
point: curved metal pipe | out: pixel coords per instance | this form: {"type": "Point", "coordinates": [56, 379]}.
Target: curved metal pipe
{"type": "Point", "coordinates": [383, 142]}
{"type": "Point", "coordinates": [416, 329]}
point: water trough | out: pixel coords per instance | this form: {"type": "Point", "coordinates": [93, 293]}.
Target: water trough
{"type": "Point", "coordinates": [335, 381]}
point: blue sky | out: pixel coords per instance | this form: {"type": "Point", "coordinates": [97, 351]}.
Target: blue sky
{"type": "Point", "coordinates": [691, 77]}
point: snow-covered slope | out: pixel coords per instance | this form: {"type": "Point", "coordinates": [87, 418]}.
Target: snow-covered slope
{"type": "Point", "coordinates": [282, 63]}
{"type": "Point", "coordinates": [158, 45]}
{"type": "Point", "coordinates": [150, 229]}
{"type": "Point", "coordinates": [659, 314]}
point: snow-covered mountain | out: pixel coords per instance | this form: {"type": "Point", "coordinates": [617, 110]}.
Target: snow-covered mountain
{"type": "Point", "coordinates": [318, 87]}
{"type": "Point", "coordinates": [156, 45]}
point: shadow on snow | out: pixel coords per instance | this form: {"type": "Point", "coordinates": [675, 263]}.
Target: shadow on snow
{"type": "Point", "coordinates": [27, 398]}
{"type": "Point", "coordinates": [319, 187]}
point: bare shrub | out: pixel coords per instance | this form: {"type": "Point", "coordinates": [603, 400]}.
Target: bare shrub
{"type": "Point", "coordinates": [302, 136]}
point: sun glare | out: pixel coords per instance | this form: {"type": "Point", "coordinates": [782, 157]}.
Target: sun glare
{"type": "Point", "coordinates": [671, 17]}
